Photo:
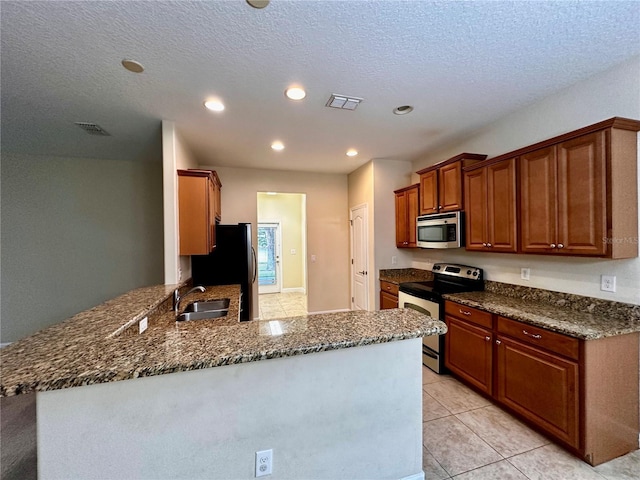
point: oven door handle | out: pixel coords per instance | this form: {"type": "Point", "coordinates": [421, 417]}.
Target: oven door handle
{"type": "Point", "coordinates": [429, 353]}
{"type": "Point", "coordinates": [418, 308]}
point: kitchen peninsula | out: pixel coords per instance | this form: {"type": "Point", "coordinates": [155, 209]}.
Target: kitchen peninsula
{"type": "Point", "coordinates": [341, 412]}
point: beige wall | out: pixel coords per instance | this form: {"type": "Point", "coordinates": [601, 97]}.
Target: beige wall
{"type": "Point", "coordinates": [612, 93]}
{"type": "Point", "coordinates": [75, 233]}
{"type": "Point", "coordinates": [175, 156]}
{"type": "Point", "coordinates": [373, 184]}
{"type": "Point", "coordinates": [327, 224]}
{"type": "Point", "coordinates": [289, 210]}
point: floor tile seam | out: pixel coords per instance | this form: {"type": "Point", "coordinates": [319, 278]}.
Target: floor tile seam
{"type": "Point", "coordinates": [483, 466]}
{"type": "Point", "coordinates": [436, 460]}
{"type": "Point", "coordinates": [562, 449]}
{"type": "Point", "coordinates": [439, 403]}
{"type": "Point", "coordinates": [514, 466]}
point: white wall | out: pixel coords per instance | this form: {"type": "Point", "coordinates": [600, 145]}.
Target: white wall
{"type": "Point", "coordinates": [609, 94]}
{"type": "Point", "coordinates": [351, 413]}
{"type": "Point", "coordinates": [327, 224]}
{"type": "Point", "coordinates": [175, 156]}
{"type": "Point", "coordinates": [75, 233]}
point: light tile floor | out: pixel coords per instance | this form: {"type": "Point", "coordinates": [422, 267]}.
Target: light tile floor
{"type": "Point", "coordinates": [281, 305]}
{"type": "Point", "coordinates": [466, 437]}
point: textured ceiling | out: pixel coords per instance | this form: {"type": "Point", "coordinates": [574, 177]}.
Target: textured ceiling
{"type": "Point", "coordinates": [461, 65]}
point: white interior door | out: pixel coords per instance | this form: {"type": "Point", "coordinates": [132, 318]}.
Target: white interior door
{"type": "Point", "coordinates": [269, 254]}
{"type": "Point", "coordinates": [359, 258]}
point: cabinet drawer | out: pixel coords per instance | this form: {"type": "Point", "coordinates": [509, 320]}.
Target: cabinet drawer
{"type": "Point", "coordinates": [389, 287]}
{"type": "Point", "coordinates": [470, 314]}
{"type": "Point", "coordinates": [554, 342]}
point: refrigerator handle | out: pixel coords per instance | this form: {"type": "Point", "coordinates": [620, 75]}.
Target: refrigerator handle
{"type": "Point", "coordinates": [255, 264]}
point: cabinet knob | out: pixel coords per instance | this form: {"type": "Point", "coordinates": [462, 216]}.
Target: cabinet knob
{"type": "Point", "coordinates": [489, 245]}
{"type": "Point", "coordinates": [553, 245]}
{"type": "Point", "coordinates": [560, 245]}
{"type": "Point", "coordinates": [484, 244]}
{"type": "Point", "coordinates": [498, 342]}
{"type": "Point", "coordinates": [487, 338]}
{"type": "Point", "coordinates": [439, 207]}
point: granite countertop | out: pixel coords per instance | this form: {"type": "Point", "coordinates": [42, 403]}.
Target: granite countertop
{"type": "Point", "coordinates": [582, 324]}
{"type": "Point", "coordinates": [103, 345]}
{"type": "Point", "coordinates": [401, 275]}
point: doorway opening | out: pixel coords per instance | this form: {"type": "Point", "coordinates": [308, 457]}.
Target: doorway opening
{"type": "Point", "coordinates": [282, 252]}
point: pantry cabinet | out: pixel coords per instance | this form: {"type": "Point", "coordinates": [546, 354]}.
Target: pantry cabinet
{"type": "Point", "coordinates": [407, 202]}
{"type": "Point", "coordinates": [198, 210]}
{"type": "Point", "coordinates": [583, 393]}
{"type": "Point", "coordinates": [441, 184]}
{"type": "Point", "coordinates": [490, 195]}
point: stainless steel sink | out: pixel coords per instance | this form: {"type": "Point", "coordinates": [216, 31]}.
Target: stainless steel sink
{"type": "Point", "coordinates": [202, 315]}
{"type": "Point", "coordinates": [208, 305]}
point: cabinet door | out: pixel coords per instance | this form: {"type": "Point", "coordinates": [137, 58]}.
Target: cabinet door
{"type": "Point", "coordinates": [468, 352]}
{"type": "Point", "coordinates": [476, 213]}
{"type": "Point", "coordinates": [217, 188]}
{"type": "Point", "coordinates": [402, 239]}
{"type": "Point", "coordinates": [450, 187]}
{"type": "Point", "coordinates": [193, 212]}
{"type": "Point", "coordinates": [413, 203]}
{"type": "Point", "coordinates": [501, 206]}
{"type": "Point", "coordinates": [387, 300]}
{"type": "Point", "coordinates": [429, 192]}
{"type": "Point", "coordinates": [538, 201]}
{"type": "Point", "coordinates": [582, 196]}
{"type": "Point", "coordinates": [540, 386]}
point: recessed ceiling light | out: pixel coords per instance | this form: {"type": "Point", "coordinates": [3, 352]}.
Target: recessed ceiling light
{"type": "Point", "coordinates": [132, 66]}
{"type": "Point", "coordinates": [258, 3]}
{"type": "Point", "coordinates": [214, 105]}
{"type": "Point", "coordinates": [352, 152]}
{"type": "Point", "coordinates": [277, 145]}
{"type": "Point", "coordinates": [295, 93]}
{"type": "Point", "coordinates": [403, 110]}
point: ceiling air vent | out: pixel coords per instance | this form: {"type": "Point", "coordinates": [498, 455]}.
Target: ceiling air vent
{"type": "Point", "coordinates": [93, 129]}
{"type": "Point", "coordinates": [344, 102]}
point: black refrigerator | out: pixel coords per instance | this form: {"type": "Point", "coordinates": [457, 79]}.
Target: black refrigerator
{"type": "Point", "coordinates": [232, 262]}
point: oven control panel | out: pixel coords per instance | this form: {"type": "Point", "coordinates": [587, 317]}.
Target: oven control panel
{"type": "Point", "coordinates": [455, 270]}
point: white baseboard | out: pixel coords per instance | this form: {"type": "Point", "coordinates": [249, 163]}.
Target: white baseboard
{"type": "Point", "coordinates": [415, 476]}
{"type": "Point", "coordinates": [2, 345]}
{"type": "Point", "coordinates": [294, 290]}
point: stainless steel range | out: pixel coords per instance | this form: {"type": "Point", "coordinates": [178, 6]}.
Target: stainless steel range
{"type": "Point", "coordinates": [426, 297]}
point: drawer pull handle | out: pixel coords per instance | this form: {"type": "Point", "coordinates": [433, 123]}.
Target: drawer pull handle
{"type": "Point", "coordinates": [532, 335]}
{"type": "Point", "coordinates": [465, 313]}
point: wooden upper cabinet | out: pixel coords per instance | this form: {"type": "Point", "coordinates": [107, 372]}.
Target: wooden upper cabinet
{"type": "Point", "coordinates": [217, 191]}
{"type": "Point", "coordinates": [441, 184]}
{"type": "Point", "coordinates": [563, 198]}
{"type": "Point", "coordinates": [407, 203]}
{"type": "Point", "coordinates": [429, 192]}
{"type": "Point", "coordinates": [490, 197]}
{"type": "Point", "coordinates": [197, 205]}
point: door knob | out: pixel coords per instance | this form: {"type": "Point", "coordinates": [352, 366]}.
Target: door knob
{"type": "Point", "coordinates": [361, 273]}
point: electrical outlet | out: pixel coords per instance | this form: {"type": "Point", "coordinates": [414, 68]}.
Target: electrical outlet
{"type": "Point", "coordinates": [313, 259]}
{"type": "Point", "coordinates": [608, 283]}
{"type": "Point", "coordinates": [264, 462]}
{"type": "Point", "coordinates": [394, 260]}
{"type": "Point", "coordinates": [143, 324]}
{"type": "Point", "coordinates": [525, 273]}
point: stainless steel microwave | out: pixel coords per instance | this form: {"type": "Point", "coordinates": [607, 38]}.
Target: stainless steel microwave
{"type": "Point", "coordinates": [440, 230]}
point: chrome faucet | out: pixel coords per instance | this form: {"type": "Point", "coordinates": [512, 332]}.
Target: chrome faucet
{"type": "Point", "coordinates": [177, 297]}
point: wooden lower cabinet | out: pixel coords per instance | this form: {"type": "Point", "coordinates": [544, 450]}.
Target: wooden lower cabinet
{"type": "Point", "coordinates": [540, 386]}
{"type": "Point", "coordinates": [388, 295]}
{"type": "Point", "coordinates": [583, 393]}
{"type": "Point", "coordinates": [469, 353]}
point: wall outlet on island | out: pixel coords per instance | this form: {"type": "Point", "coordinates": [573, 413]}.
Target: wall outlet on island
{"type": "Point", "coordinates": [143, 324]}
{"type": "Point", "coordinates": [525, 273]}
{"type": "Point", "coordinates": [264, 462]}
{"type": "Point", "coordinates": [394, 260]}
